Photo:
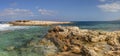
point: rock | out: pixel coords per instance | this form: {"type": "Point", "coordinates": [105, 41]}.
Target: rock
{"type": "Point", "coordinates": [74, 40]}
{"type": "Point", "coordinates": [76, 49]}
{"type": "Point", "coordinates": [36, 23]}
{"type": "Point", "coordinates": [89, 52]}
{"type": "Point", "coordinates": [10, 48]}
{"type": "Point", "coordinates": [66, 54]}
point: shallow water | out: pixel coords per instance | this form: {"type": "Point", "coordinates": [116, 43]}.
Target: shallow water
{"type": "Point", "coordinates": [17, 37]}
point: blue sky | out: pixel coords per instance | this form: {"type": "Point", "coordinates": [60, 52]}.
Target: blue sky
{"type": "Point", "coordinates": [60, 10]}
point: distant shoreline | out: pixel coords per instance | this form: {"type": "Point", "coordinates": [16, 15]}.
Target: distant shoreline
{"type": "Point", "coordinates": [35, 23]}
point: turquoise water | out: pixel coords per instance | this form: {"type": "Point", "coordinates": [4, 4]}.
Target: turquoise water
{"type": "Point", "coordinates": [11, 38]}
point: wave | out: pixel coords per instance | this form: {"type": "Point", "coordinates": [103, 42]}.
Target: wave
{"type": "Point", "coordinates": [5, 27]}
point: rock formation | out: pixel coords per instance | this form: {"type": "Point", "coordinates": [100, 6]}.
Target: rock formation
{"type": "Point", "coordinates": [36, 23]}
{"type": "Point", "coordinates": [72, 41]}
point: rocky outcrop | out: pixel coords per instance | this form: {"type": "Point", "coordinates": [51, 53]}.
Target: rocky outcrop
{"type": "Point", "coordinates": [72, 41]}
{"type": "Point", "coordinates": [35, 23]}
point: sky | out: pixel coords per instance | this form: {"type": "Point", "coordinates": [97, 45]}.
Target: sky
{"type": "Point", "coordinates": [60, 10]}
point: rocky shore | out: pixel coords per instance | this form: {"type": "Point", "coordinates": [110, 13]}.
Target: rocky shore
{"type": "Point", "coordinates": [36, 23]}
{"type": "Point", "coordinates": [72, 41]}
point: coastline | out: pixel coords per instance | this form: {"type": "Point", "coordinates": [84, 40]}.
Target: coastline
{"type": "Point", "coordinates": [72, 41]}
{"type": "Point", "coordinates": [35, 23]}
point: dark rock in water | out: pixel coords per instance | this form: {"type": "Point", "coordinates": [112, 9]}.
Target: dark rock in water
{"type": "Point", "coordinates": [72, 41]}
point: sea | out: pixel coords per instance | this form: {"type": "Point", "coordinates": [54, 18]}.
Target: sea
{"type": "Point", "coordinates": [18, 35]}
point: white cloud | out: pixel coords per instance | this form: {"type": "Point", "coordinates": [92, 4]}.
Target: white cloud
{"type": "Point", "coordinates": [47, 12]}
{"type": "Point", "coordinates": [108, 0]}
{"type": "Point", "coordinates": [110, 7]}
{"type": "Point", "coordinates": [16, 12]}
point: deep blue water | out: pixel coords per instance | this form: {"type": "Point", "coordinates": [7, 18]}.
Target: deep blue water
{"type": "Point", "coordinates": [97, 25]}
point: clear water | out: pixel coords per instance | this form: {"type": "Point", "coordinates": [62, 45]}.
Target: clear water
{"type": "Point", "coordinates": [18, 35]}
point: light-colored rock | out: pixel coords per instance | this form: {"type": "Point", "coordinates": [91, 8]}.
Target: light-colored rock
{"type": "Point", "coordinates": [76, 49]}
{"type": "Point", "coordinates": [36, 23]}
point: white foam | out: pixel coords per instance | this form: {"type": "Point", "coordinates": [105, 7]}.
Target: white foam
{"type": "Point", "coordinates": [4, 27]}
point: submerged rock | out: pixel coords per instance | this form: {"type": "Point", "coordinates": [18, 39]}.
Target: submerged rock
{"type": "Point", "coordinates": [10, 48]}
